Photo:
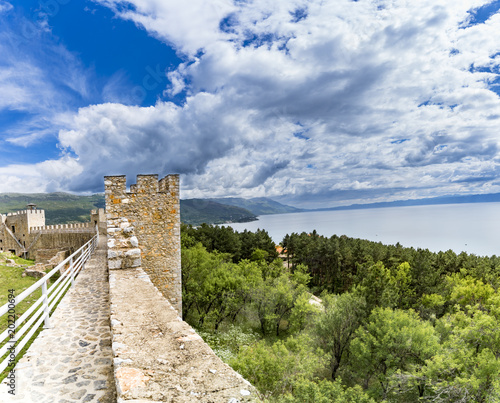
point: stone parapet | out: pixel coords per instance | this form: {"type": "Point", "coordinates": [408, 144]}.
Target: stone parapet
{"type": "Point", "coordinates": [160, 358]}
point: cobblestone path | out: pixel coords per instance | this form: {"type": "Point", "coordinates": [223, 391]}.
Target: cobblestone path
{"type": "Point", "coordinates": [72, 361]}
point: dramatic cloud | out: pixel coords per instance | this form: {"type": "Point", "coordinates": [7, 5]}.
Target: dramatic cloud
{"type": "Point", "coordinates": [341, 102]}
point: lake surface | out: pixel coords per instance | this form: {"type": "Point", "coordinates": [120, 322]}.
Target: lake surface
{"type": "Point", "coordinates": [470, 227]}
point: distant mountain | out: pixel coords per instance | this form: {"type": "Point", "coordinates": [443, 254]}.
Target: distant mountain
{"type": "Point", "coordinates": [198, 211]}
{"type": "Point", "coordinates": [454, 199]}
{"type": "Point", "coordinates": [60, 208]}
{"type": "Point", "coordinates": [258, 205]}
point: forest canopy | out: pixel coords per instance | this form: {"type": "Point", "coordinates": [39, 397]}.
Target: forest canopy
{"type": "Point", "coordinates": [340, 319]}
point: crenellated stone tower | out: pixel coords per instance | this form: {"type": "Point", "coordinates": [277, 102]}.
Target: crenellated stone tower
{"type": "Point", "coordinates": [151, 212]}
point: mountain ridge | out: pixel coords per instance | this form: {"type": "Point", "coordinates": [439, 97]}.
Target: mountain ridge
{"type": "Point", "coordinates": [62, 208]}
{"type": "Point", "coordinates": [428, 201]}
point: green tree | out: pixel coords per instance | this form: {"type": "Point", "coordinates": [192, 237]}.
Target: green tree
{"type": "Point", "coordinates": [334, 328]}
{"type": "Point", "coordinates": [401, 282]}
{"type": "Point", "coordinates": [306, 391]}
{"type": "Point", "coordinates": [197, 264]}
{"type": "Point", "coordinates": [275, 368]}
{"type": "Point", "coordinates": [465, 290]}
{"type": "Point", "coordinates": [376, 285]}
{"type": "Point", "coordinates": [467, 368]}
{"type": "Point", "coordinates": [216, 288]}
{"type": "Point", "coordinates": [303, 312]}
{"type": "Point", "coordinates": [275, 298]}
{"type": "Point", "coordinates": [391, 342]}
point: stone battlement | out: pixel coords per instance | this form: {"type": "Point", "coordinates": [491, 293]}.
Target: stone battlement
{"type": "Point", "coordinates": [25, 212]}
{"type": "Point", "coordinates": [80, 227]}
{"type": "Point", "coordinates": [146, 184]}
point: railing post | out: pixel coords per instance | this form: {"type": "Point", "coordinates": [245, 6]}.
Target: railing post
{"type": "Point", "coordinates": [72, 272]}
{"type": "Point", "coordinates": [46, 308]}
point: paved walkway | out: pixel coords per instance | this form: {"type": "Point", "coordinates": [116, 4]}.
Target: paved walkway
{"type": "Point", "coordinates": [72, 361]}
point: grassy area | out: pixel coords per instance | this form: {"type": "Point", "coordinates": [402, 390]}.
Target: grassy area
{"type": "Point", "coordinates": [11, 278]}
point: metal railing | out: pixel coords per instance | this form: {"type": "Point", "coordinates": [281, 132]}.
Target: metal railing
{"type": "Point", "coordinates": [50, 297]}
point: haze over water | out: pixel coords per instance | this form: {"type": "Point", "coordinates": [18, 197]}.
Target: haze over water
{"type": "Point", "coordinates": [472, 227]}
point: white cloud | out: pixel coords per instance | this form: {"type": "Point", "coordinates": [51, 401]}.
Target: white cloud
{"type": "Point", "coordinates": [346, 101]}
{"type": "Point", "coordinates": [38, 81]}
{"type": "Point", "coordinates": [189, 26]}
{"type": "Point", "coordinates": [46, 176]}
{"type": "Point", "coordinates": [5, 6]}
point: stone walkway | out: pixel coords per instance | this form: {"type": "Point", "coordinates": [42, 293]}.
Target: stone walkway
{"type": "Point", "coordinates": [72, 361]}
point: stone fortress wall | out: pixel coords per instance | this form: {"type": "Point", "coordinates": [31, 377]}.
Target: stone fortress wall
{"type": "Point", "coordinates": [15, 234]}
{"type": "Point", "coordinates": [151, 212]}
{"type": "Point", "coordinates": [25, 234]}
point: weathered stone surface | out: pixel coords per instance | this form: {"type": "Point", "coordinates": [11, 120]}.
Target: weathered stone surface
{"type": "Point", "coordinates": [160, 358]}
{"type": "Point", "coordinates": [37, 271]}
{"type": "Point", "coordinates": [130, 378]}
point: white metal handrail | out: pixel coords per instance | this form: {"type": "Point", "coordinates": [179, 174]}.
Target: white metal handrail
{"type": "Point", "coordinates": [50, 297]}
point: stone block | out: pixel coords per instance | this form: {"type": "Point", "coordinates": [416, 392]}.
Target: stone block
{"type": "Point", "coordinates": [133, 253]}
{"type": "Point", "coordinates": [129, 379]}
{"type": "Point", "coordinates": [134, 241]}
{"type": "Point", "coordinates": [114, 264]}
{"type": "Point", "coordinates": [114, 253]}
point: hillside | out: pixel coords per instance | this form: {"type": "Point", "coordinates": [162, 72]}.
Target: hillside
{"type": "Point", "coordinates": [198, 211]}
{"type": "Point", "coordinates": [258, 205]}
{"type": "Point", "coordinates": [61, 208]}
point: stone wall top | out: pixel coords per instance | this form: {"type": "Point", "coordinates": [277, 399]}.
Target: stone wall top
{"type": "Point", "coordinates": [144, 184]}
{"type": "Point", "coordinates": [62, 228]}
{"type": "Point", "coordinates": [177, 365]}
{"type": "Point", "coordinates": [25, 212]}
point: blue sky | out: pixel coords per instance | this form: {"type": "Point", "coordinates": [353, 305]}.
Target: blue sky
{"type": "Point", "coordinates": [312, 103]}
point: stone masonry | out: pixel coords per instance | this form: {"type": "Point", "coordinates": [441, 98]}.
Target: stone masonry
{"type": "Point", "coordinates": [152, 210]}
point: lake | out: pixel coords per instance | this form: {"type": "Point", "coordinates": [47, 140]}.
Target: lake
{"type": "Point", "coordinates": [470, 227]}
